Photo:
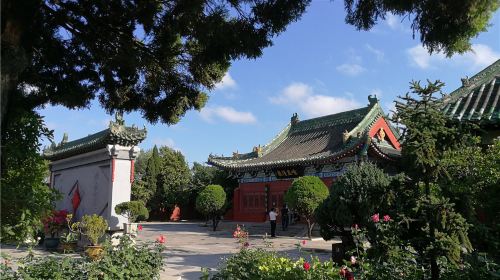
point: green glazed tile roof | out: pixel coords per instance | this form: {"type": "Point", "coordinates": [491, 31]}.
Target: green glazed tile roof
{"type": "Point", "coordinates": [313, 141]}
{"type": "Point", "coordinates": [478, 99]}
{"type": "Point", "coordinates": [116, 133]}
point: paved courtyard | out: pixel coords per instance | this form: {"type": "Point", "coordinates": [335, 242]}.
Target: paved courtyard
{"type": "Point", "coordinates": [191, 245]}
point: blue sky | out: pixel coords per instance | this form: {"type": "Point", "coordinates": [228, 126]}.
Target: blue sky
{"type": "Point", "coordinates": [318, 66]}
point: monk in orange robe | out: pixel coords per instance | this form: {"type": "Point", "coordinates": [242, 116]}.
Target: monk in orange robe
{"type": "Point", "coordinates": [176, 214]}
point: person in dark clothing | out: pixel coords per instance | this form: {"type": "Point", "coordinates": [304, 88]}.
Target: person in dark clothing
{"type": "Point", "coordinates": [272, 219]}
{"type": "Point", "coordinates": [284, 217]}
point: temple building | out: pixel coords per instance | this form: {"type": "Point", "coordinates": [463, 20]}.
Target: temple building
{"type": "Point", "coordinates": [477, 101]}
{"type": "Point", "coordinates": [95, 173]}
{"type": "Point", "coordinates": [320, 147]}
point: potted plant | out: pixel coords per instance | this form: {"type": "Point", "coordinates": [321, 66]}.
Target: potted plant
{"type": "Point", "coordinates": [131, 210]}
{"type": "Point", "coordinates": [94, 227]}
{"type": "Point", "coordinates": [69, 239]}
{"type": "Point", "coordinates": [52, 225]}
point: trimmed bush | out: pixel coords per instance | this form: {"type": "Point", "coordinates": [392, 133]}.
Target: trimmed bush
{"type": "Point", "coordinates": [210, 202]}
{"type": "Point", "coordinates": [132, 210]}
{"type": "Point", "coordinates": [304, 196]}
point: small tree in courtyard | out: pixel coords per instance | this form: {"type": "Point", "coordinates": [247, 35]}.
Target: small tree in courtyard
{"type": "Point", "coordinates": [210, 202]}
{"type": "Point", "coordinates": [304, 196]}
{"type": "Point", "coordinates": [354, 197]}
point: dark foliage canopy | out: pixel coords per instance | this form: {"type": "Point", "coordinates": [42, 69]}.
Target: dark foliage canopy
{"type": "Point", "coordinates": [158, 57]}
{"type": "Point", "coordinates": [445, 25]}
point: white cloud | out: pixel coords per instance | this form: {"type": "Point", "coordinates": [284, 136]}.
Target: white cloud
{"type": "Point", "coordinates": [395, 23]}
{"type": "Point", "coordinates": [351, 69]}
{"type": "Point", "coordinates": [480, 57]}
{"type": "Point", "coordinates": [228, 114]}
{"type": "Point", "coordinates": [302, 96]}
{"type": "Point", "coordinates": [379, 55]}
{"type": "Point", "coordinates": [392, 21]}
{"type": "Point", "coordinates": [169, 142]}
{"type": "Point", "coordinates": [227, 83]}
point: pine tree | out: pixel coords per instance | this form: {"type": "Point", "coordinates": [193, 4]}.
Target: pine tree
{"type": "Point", "coordinates": [151, 176]}
{"type": "Point", "coordinates": [436, 229]}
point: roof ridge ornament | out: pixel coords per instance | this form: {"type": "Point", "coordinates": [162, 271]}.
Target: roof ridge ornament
{"type": "Point", "coordinates": [373, 100]}
{"type": "Point", "coordinates": [64, 139]}
{"type": "Point", "coordinates": [294, 119]}
{"type": "Point", "coordinates": [119, 118]}
{"type": "Point", "coordinates": [465, 81]}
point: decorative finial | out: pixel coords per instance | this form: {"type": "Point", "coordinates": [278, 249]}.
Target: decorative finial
{"type": "Point", "coordinates": [64, 139]}
{"type": "Point", "coordinates": [294, 119]}
{"type": "Point", "coordinates": [465, 81]}
{"type": "Point", "coordinates": [119, 118]}
{"type": "Point", "coordinates": [345, 136]}
{"type": "Point", "coordinates": [257, 150]}
{"type": "Point", "coordinates": [373, 99]}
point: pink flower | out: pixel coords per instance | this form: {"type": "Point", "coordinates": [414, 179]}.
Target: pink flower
{"type": "Point", "coordinates": [376, 218]}
{"type": "Point", "coordinates": [306, 266]}
{"type": "Point", "coordinates": [161, 239]}
{"type": "Point", "coordinates": [387, 218]}
{"type": "Point", "coordinates": [353, 260]}
{"type": "Point", "coordinates": [139, 227]}
{"type": "Point", "coordinates": [304, 242]}
{"type": "Point", "coordinates": [355, 226]}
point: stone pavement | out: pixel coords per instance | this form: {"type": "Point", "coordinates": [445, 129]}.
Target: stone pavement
{"type": "Point", "coordinates": [191, 245]}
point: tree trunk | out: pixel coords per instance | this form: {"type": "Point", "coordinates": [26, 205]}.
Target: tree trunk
{"type": "Point", "coordinates": [310, 226]}
{"type": "Point", "coordinates": [214, 222]}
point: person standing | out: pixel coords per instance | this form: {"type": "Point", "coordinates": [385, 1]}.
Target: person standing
{"type": "Point", "coordinates": [284, 217]}
{"type": "Point", "coordinates": [272, 218]}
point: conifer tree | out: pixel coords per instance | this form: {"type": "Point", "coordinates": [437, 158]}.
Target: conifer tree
{"type": "Point", "coordinates": [437, 230]}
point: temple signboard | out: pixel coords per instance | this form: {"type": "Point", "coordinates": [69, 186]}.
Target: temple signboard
{"type": "Point", "coordinates": [289, 172]}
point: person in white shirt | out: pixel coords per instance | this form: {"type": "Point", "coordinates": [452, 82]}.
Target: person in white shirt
{"type": "Point", "coordinates": [272, 217]}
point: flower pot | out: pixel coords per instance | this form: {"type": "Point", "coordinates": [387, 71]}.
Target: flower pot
{"type": "Point", "coordinates": [130, 228]}
{"type": "Point", "coordinates": [51, 243]}
{"type": "Point", "coordinates": [94, 252]}
{"type": "Point", "coordinates": [68, 247]}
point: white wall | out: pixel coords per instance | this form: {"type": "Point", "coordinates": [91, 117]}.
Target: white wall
{"type": "Point", "coordinates": [93, 171]}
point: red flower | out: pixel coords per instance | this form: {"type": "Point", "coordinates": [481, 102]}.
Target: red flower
{"type": "Point", "coordinates": [139, 227]}
{"type": "Point", "coordinates": [387, 218]}
{"type": "Point", "coordinates": [346, 274]}
{"type": "Point", "coordinates": [304, 242]}
{"type": "Point", "coordinates": [376, 218]}
{"type": "Point", "coordinates": [161, 239]}
{"type": "Point", "coordinates": [306, 266]}
{"type": "Point", "coordinates": [246, 244]}
{"type": "Point", "coordinates": [355, 226]}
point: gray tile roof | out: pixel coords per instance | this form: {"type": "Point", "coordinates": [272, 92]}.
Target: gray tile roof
{"type": "Point", "coordinates": [318, 140]}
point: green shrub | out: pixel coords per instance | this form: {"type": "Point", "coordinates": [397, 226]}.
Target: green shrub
{"type": "Point", "coordinates": [132, 210]}
{"type": "Point", "coordinates": [360, 192]}
{"type": "Point", "coordinates": [125, 261]}
{"type": "Point", "coordinates": [94, 227]}
{"type": "Point", "coordinates": [129, 261]}
{"type": "Point", "coordinates": [210, 202]}
{"type": "Point", "coordinates": [304, 196]}
{"type": "Point", "coordinates": [261, 264]}
{"type": "Point", "coordinates": [51, 268]}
